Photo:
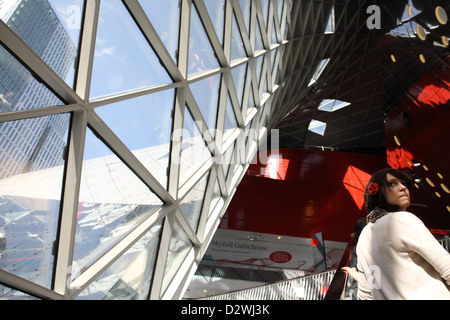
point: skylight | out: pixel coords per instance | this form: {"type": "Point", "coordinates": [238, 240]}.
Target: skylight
{"type": "Point", "coordinates": [330, 26]}
{"type": "Point", "coordinates": [319, 71]}
{"type": "Point", "coordinates": [331, 105]}
{"type": "Point", "coordinates": [317, 126]}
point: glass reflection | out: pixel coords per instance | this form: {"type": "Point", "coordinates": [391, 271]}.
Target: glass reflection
{"type": "Point", "coordinates": [144, 125]}
{"type": "Point", "coordinates": [50, 28]}
{"type": "Point", "coordinates": [112, 201]}
{"type": "Point", "coordinates": [11, 294]}
{"type": "Point", "coordinates": [19, 90]}
{"type": "Point", "coordinates": [201, 54]}
{"type": "Point", "coordinates": [30, 193]}
{"type": "Point", "coordinates": [124, 60]}
{"type": "Point", "coordinates": [130, 277]}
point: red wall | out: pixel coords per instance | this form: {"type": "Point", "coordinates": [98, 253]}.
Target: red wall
{"type": "Point", "coordinates": [421, 124]}
{"type": "Point", "coordinates": [316, 191]}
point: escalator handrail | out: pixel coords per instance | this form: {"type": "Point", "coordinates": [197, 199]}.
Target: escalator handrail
{"type": "Point", "coordinates": [337, 285]}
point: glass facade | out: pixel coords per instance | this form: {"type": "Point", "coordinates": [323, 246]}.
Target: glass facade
{"type": "Point", "coordinates": [125, 127]}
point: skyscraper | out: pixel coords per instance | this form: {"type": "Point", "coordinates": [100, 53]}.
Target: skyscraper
{"type": "Point", "coordinates": [22, 142]}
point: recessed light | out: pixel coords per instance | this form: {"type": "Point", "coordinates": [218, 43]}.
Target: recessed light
{"type": "Point", "coordinates": [441, 15]}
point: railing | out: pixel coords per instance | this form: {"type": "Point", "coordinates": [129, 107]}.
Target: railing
{"type": "Point", "coordinates": [337, 286]}
{"type": "Point", "coordinates": [312, 287]}
{"type": "Point", "coordinates": [445, 242]}
{"type": "Point", "coordinates": [329, 285]}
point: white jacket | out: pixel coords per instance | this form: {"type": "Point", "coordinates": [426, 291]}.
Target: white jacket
{"type": "Point", "coordinates": [398, 258]}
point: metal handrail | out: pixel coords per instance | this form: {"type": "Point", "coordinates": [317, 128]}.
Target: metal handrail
{"type": "Point", "coordinates": [337, 286]}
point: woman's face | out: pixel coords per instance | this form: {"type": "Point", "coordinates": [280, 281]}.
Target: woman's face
{"type": "Point", "coordinates": [397, 193]}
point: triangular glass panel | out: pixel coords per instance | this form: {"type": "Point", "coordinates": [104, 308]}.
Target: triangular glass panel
{"type": "Point", "coordinates": [194, 151]}
{"type": "Point", "coordinates": [112, 201]}
{"type": "Point", "coordinates": [228, 159]}
{"type": "Point", "coordinates": [259, 66]}
{"type": "Point", "coordinates": [130, 276]}
{"type": "Point", "coordinates": [56, 41]}
{"type": "Point", "coordinates": [216, 10]}
{"type": "Point", "coordinates": [317, 126]}
{"type": "Point", "coordinates": [259, 44]}
{"type": "Point", "coordinates": [331, 105]}
{"type": "Point", "coordinates": [192, 203]}
{"type": "Point", "coordinates": [251, 99]}
{"type": "Point", "coordinates": [215, 197]}
{"type": "Point", "coordinates": [246, 11]}
{"type": "Point", "coordinates": [167, 24]}
{"type": "Point", "coordinates": [239, 77]}
{"type": "Point", "coordinates": [31, 184]}
{"type": "Point", "coordinates": [318, 72]}
{"type": "Point", "coordinates": [237, 44]}
{"type": "Point", "coordinates": [273, 55]}
{"type": "Point", "coordinates": [19, 90]}
{"type": "Point", "coordinates": [201, 54]}
{"type": "Point", "coordinates": [409, 11]}
{"type": "Point", "coordinates": [280, 4]}
{"type": "Point", "coordinates": [265, 10]}
{"type": "Point", "coordinates": [230, 119]}
{"type": "Point", "coordinates": [179, 246]}
{"type": "Point", "coordinates": [124, 60]}
{"type": "Point", "coordinates": [330, 25]}
{"type": "Point", "coordinates": [206, 93]}
{"type": "Point", "coordinates": [144, 124]}
{"type": "Point", "coordinates": [274, 33]}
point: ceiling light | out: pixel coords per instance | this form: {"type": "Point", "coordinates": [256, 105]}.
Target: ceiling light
{"type": "Point", "coordinates": [422, 58]}
{"type": "Point", "coordinates": [421, 33]}
{"type": "Point", "coordinates": [429, 182]}
{"type": "Point", "coordinates": [441, 15]}
{"type": "Point", "coordinates": [393, 58]}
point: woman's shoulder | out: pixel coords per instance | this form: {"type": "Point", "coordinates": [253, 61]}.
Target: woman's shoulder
{"type": "Point", "coordinates": [406, 219]}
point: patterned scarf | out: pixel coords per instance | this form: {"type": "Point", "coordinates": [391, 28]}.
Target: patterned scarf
{"type": "Point", "coordinates": [376, 214]}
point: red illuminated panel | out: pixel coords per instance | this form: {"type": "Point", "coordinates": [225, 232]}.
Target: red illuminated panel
{"type": "Point", "coordinates": [276, 168]}
{"type": "Point", "coordinates": [355, 181]}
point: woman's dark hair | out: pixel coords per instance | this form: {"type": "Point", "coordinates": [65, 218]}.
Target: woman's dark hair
{"type": "Point", "coordinates": [377, 199]}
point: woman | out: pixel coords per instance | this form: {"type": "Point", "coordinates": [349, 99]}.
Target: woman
{"type": "Point", "coordinates": [398, 258]}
